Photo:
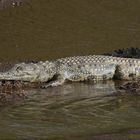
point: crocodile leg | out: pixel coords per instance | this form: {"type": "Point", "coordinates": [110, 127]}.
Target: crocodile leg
{"type": "Point", "coordinates": [77, 77]}
{"type": "Point", "coordinates": [59, 81]}
{"type": "Point", "coordinates": [127, 72]}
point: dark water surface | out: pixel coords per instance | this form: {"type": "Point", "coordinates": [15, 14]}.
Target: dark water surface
{"type": "Point", "coordinates": [49, 29]}
{"type": "Point", "coordinates": [72, 111]}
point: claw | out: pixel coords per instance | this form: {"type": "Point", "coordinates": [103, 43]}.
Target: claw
{"type": "Point", "coordinates": [45, 86]}
{"type": "Point", "coordinates": [53, 83]}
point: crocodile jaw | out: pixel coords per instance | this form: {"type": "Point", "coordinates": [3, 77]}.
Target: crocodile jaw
{"type": "Point", "coordinates": [22, 71]}
{"type": "Point", "coordinates": [12, 76]}
{"type": "Point", "coordinates": [32, 76]}
{"type": "Point", "coordinates": [30, 72]}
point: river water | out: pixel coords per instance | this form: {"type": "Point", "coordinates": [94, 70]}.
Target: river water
{"type": "Point", "coordinates": [72, 111]}
{"type": "Point", "coordinates": [48, 29]}
{"type": "Point", "coordinates": [45, 29]}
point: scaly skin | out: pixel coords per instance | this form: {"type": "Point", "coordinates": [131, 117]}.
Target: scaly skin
{"type": "Point", "coordinates": [79, 68]}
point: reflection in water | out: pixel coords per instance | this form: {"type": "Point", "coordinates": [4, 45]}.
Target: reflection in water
{"type": "Point", "coordinates": [70, 111]}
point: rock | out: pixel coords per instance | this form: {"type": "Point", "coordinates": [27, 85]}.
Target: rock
{"type": "Point", "coordinates": [132, 86]}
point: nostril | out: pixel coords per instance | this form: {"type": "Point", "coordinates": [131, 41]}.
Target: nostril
{"type": "Point", "coordinates": [19, 68]}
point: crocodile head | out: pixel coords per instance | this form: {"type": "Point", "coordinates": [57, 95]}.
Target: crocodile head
{"type": "Point", "coordinates": [31, 72]}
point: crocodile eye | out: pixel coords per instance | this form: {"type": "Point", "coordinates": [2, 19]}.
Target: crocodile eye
{"type": "Point", "coordinates": [19, 68]}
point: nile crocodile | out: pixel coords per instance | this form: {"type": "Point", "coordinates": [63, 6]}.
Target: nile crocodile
{"type": "Point", "coordinates": [78, 68]}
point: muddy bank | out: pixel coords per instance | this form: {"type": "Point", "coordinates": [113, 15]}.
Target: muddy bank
{"type": "Point", "coordinates": [14, 91]}
{"type": "Point", "coordinates": [11, 97]}
{"type": "Point", "coordinates": [132, 86]}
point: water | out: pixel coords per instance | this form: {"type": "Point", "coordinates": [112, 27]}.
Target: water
{"type": "Point", "coordinates": [71, 111]}
{"type": "Point", "coordinates": [48, 29]}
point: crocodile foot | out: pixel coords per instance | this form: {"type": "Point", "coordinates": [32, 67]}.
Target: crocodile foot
{"type": "Point", "coordinates": [53, 83]}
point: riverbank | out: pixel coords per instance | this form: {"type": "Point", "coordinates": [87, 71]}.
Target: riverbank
{"type": "Point", "coordinates": [15, 91]}
{"type": "Point", "coordinates": [72, 111]}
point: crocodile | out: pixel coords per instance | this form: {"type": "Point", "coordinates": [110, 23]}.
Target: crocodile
{"type": "Point", "coordinates": [76, 68]}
